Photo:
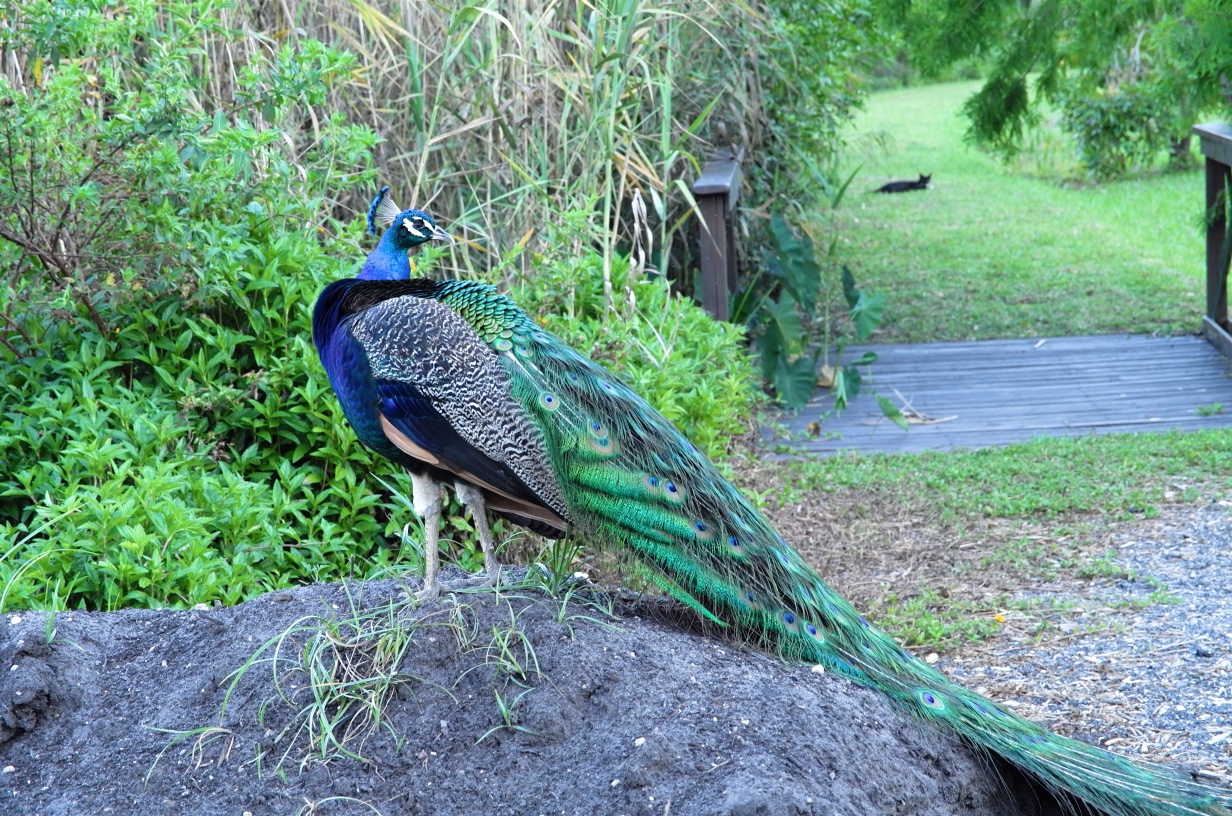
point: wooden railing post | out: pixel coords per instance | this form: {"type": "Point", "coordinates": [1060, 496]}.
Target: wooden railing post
{"type": "Point", "coordinates": [717, 190]}
{"type": "Point", "coordinates": [1216, 142]}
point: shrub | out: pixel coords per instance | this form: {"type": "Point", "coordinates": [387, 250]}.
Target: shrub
{"type": "Point", "coordinates": [168, 437]}
{"type": "Point", "coordinates": [1117, 130]}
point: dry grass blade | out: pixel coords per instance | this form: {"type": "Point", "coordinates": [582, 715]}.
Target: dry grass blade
{"type": "Point", "coordinates": [506, 114]}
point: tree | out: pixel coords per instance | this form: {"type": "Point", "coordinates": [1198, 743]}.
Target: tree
{"type": "Point", "coordinates": [1131, 76]}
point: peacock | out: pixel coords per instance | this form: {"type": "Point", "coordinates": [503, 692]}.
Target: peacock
{"type": "Point", "coordinates": [403, 397]}
{"type": "Point", "coordinates": [455, 382]}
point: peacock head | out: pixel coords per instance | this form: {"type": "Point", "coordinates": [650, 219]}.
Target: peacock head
{"type": "Point", "coordinates": [403, 228]}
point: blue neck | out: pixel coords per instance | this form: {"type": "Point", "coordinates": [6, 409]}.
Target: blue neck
{"type": "Point", "coordinates": [387, 261]}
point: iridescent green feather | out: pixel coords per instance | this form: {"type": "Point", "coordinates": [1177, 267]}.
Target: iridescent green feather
{"type": "Point", "coordinates": [630, 478]}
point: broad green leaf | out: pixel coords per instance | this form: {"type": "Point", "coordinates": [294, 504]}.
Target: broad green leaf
{"type": "Point", "coordinates": [795, 382]}
{"type": "Point", "coordinates": [866, 314]}
{"type": "Point", "coordinates": [892, 412]}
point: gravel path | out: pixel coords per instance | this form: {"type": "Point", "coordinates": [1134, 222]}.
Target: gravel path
{"type": "Point", "coordinates": [1134, 674]}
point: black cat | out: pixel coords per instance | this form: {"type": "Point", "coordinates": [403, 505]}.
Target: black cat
{"type": "Point", "coordinates": [905, 186]}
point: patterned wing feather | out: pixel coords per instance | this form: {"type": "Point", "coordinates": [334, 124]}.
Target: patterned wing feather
{"type": "Point", "coordinates": [443, 390]}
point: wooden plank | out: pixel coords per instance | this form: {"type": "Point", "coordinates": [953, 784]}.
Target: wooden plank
{"type": "Point", "coordinates": [1093, 344]}
{"type": "Point", "coordinates": [993, 379]}
{"type": "Point", "coordinates": [714, 250]}
{"type": "Point", "coordinates": [717, 190]}
{"type": "Point", "coordinates": [1216, 141]}
{"type": "Point", "coordinates": [1218, 336]}
{"type": "Point", "coordinates": [721, 177]}
{"type": "Point", "coordinates": [1001, 392]}
{"type": "Point", "coordinates": [1217, 180]}
{"type": "Point", "coordinates": [1020, 424]}
{"type": "Point", "coordinates": [1035, 415]}
{"type": "Point", "coordinates": [1146, 362]}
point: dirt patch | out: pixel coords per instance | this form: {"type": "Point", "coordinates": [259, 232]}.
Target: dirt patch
{"type": "Point", "coordinates": [870, 545]}
{"type": "Point", "coordinates": [622, 715]}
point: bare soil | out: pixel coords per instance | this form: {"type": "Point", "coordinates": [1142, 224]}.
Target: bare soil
{"type": "Point", "coordinates": [625, 715]}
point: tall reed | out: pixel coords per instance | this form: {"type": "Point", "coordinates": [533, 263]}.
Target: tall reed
{"type": "Point", "coordinates": [527, 125]}
{"type": "Point", "coordinates": [505, 115]}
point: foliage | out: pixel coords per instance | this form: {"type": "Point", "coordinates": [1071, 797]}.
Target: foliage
{"type": "Point", "coordinates": [1132, 77]}
{"type": "Point", "coordinates": [168, 437]}
{"type": "Point", "coordinates": [118, 172]}
{"type": "Point", "coordinates": [504, 115]}
{"type": "Point", "coordinates": [168, 449]}
{"type": "Point", "coordinates": [780, 308]}
{"type": "Point", "coordinates": [784, 310]}
{"type": "Point", "coordinates": [807, 70]}
{"type": "Point", "coordinates": [1117, 131]}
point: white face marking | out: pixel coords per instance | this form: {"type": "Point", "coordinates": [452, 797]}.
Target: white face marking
{"type": "Point", "coordinates": [412, 230]}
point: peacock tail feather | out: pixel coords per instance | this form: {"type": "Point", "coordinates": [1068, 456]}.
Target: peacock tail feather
{"type": "Point", "coordinates": [629, 478]}
{"type": "Point", "coordinates": [456, 383]}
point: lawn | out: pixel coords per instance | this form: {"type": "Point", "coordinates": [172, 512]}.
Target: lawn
{"type": "Point", "coordinates": [941, 547]}
{"type": "Point", "coordinates": [1028, 250]}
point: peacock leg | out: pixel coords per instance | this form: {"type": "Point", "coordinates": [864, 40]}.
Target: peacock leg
{"type": "Point", "coordinates": [426, 497]}
{"type": "Point", "coordinates": [472, 497]}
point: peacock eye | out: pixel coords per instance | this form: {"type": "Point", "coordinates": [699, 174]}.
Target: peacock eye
{"type": "Point", "coordinates": [417, 222]}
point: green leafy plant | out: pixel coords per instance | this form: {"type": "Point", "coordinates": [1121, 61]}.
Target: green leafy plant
{"type": "Point", "coordinates": [1116, 131]}
{"type": "Point", "coordinates": [793, 335]}
{"type": "Point", "coordinates": [166, 439]}
{"type": "Point", "coordinates": [694, 370]}
{"type": "Point", "coordinates": [865, 310]}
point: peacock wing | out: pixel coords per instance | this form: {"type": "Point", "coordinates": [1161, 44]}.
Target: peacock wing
{"type": "Point", "coordinates": [446, 401]}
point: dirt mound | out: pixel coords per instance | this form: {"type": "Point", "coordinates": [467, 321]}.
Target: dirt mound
{"type": "Point", "coordinates": [479, 704]}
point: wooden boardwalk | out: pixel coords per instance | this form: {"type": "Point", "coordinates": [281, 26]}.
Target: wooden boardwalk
{"type": "Point", "coordinates": [997, 392]}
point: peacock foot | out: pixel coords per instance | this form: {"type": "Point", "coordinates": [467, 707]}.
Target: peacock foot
{"type": "Point", "coordinates": [430, 592]}
{"type": "Point", "coordinates": [481, 581]}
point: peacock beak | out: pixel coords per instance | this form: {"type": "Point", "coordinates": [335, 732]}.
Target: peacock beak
{"type": "Point", "coordinates": [439, 234]}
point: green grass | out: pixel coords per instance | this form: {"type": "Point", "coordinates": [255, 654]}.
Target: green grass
{"type": "Point", "coordinates": [994, 251]}
{"type": "Point", "coordinates": [1031, 516]}
{"type": "Point", "coordinates": [930, 619]}
{"type": "Point", "coordinates": [1117, 474]}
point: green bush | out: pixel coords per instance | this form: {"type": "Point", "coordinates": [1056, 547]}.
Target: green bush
{"type": "Point", "coordinates": [807, 67]}
{"type": "Point", "coordinates": [167, 434]}
{"type": "Point", "coordinates": [1116, 131]}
